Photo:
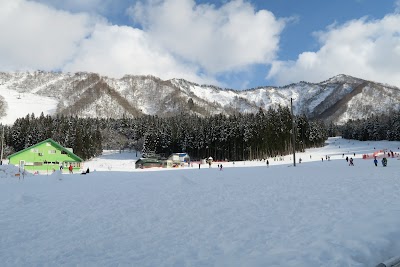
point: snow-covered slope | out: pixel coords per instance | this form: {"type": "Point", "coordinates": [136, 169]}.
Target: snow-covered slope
{"type": "Point", "coordinates": [91, 95]}
{"type": "Point", "coordinates": [19, 105]}
{"type": "Point", "coordinates": [315, 214]}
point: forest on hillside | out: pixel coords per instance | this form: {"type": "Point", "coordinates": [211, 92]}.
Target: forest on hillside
{"type": "Point", "coordinates": [377, 127]}
{"type": "Point", "coordinates": [238, 137]}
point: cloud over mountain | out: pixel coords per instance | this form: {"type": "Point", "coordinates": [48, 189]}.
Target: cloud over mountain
{"type": "Point", "coordinates": [228, 43]}
{"type": "Point", "coordinates": [230, 37]}
{"type": "Point", "coordinates": [34, 36]}
{"type": "Point", "coordinates": [188, 40]}
{"type": "Point", "coordinates": [363, 48]}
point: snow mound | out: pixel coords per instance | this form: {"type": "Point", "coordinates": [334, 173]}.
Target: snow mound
{"type": "Point", "coordinates": [57, 175]}
{"type": "Point", "coordinates": [10, 171]}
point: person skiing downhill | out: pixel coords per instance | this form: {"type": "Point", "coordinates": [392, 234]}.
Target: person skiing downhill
{"type": "Point", "coordinates": [376, 162]}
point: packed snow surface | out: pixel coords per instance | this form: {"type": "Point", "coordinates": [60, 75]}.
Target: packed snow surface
{"type": "Point", "coordinates": [319, 213]}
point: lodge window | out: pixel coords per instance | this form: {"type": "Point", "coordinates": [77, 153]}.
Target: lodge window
{"type": "Point", "coordinates": [35, 150]}
{"type": "Point", "coordinates": [51, 162]}
{"type": "Point", "coordinates": [52, 151]}
{"type": "Point", "coordinates": [63, 152]}
{"type": "Point", "coordinates": [40, 154]}
{"type": "Point", "coordinates": [48, 144]}
{"type": "Point", "coordinates": [75, 164]}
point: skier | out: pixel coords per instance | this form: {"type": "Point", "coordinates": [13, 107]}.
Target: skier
{"type": "Point", "coordinates": [376, 162]}
{"type": "Point", "coordinates": [347, 159]}
{"type": "Point", "coordinates": [70, 169]}
{"type": "Point", "coordinates": [351, 162]}
{"type": "Point", "coordinates": [384, 162]}
{"type": "Point", "coordinates": [220, 167]}
{"type": "Point", "coordinates": [267, 163]}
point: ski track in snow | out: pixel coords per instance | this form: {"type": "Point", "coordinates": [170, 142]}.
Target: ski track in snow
{"type": "Point", "coordinates": [316, 214]}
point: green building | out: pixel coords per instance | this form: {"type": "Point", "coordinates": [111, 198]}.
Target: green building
{"type": "Point", "coordinates": [46, 156]}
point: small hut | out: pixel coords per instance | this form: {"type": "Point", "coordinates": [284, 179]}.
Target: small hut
{"type": "Point", "coordinates": [177, 160]}
{"type": "Point", "coordinates": [143, 163]}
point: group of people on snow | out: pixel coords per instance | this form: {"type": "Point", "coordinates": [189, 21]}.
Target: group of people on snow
{"type": "Point", "coordinates": [71, 169]}
{"type": "Point", "coordinates": [384, 161]}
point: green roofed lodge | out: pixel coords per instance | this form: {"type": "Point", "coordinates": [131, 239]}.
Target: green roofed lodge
{"type": "Point", "coordinates": [46, 157]}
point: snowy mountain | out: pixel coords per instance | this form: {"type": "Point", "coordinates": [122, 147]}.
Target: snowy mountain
{"type": "Point", "coordinates": [91, 95]}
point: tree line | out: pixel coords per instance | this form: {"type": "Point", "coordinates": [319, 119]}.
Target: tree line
{"type": "Point", "coordinates": [376, 127]}
{"type": "Point", "coordinates": [236, 137]}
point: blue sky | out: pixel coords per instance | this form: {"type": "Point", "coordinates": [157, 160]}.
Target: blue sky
{"type": "Point", "coordinates": [236, 44]}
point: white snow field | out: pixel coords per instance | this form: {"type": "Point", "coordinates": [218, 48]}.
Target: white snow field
{"type": "Point", "coordinates": [20, 105]}
{"type": "Point", "coordinates": [315, 214]}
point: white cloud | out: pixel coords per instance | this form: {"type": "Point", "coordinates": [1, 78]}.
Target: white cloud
{"type": "Point", "coordinates": [178, 39]}
{"type": "Point", "coordinates": [222, 39]}
{"type": "Point", "coordinates": [362, 48]}
{"type": "Point", "coordinates": [34, 36]}
{"type": "Point", "coordinates": [90, 6]}
{"type": "Point", "coordinates": [397, 6]}
{"type": "Point", "coordinates": [119, 50]}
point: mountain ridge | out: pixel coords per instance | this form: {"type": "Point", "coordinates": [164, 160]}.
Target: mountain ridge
{"type": "Point", "coordinates": [87, 94]}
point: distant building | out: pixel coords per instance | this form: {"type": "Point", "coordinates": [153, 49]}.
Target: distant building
{"type": "Point", "coordinates": [143, 163]}
{"type": "Point", "coordinates": [177, 160]}
{"type": "Point", "coordinates": [45, 156]}
{"type": "Point", "coordinates": [174, 160]}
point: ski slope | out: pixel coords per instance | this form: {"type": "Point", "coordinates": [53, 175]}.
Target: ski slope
{"type": "Point", "coordinates": [20, 105]}
{"type": "Point", "coordinates": [319, 213]}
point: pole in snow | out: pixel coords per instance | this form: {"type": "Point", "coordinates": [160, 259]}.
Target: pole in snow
{"type": "Point", "coordinates": [293, 133]}
{"type": "Point", "coordinates": [2, 146]}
